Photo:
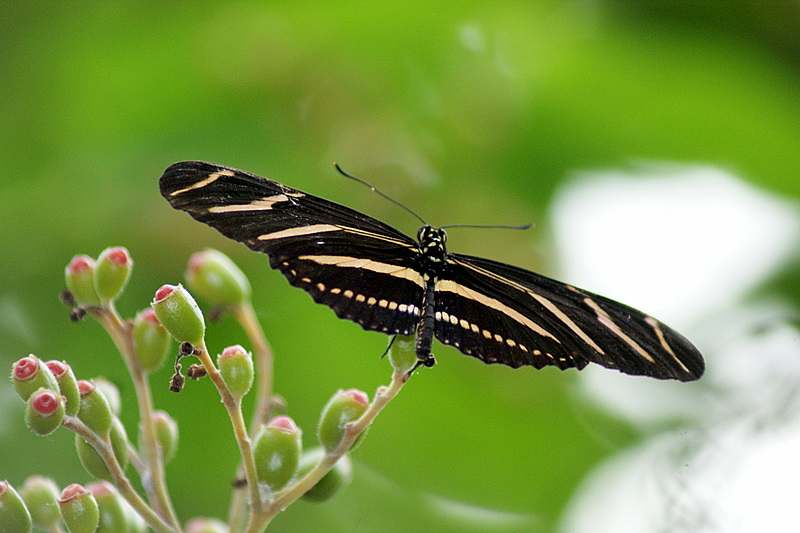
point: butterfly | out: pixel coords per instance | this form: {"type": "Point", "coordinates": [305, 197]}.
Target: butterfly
{"type": "Point", "coordinates": [378, 277]}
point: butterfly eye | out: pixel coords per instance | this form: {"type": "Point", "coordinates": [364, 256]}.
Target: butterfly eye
{"type": "Point", "coordinates": [422, 233]}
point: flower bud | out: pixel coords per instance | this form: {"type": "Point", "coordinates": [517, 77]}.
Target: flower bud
{"type": "Point", "coordinates": [166, 433]}
{"type": "Point", "coordinates": [343, 407]}
{"type": "Point", "coordinates": [403, 353]}
{"type": "Point", "coordinates": [79, 509]}
{"type": "Point", "coordinates": [91, 460]}
{"type": "Point", "coordinates": [80, 280]}
{"type": "Point", "coordinates": [136, 523]}
{"type": "Point", "coordinates": [216, 279]}
{"type": "Point", "coordinates": [113, 515]}
{"type": "Point", "coordinates": [14, 516]}
{"type": "Point", "coordinates": [331, 483]}
{"type": "Point", "coordinates": [41, 498]}
{"type": "Point", "coordinates": [236, 367]}
{"type": "Point", "coordinates": [95, 411]}
{"type": "Point", "coordinates": [151, 340]}
{"type": "Point", "coordinates": [67, 385]}
{"type": "Point", "coordinates": [179, 314]}
{"type": "Point", "coordinates": [44, 412]}
{"type": "Point", "coordinates": [110, 393]}
{"type": "Point", "coordinates": [206, 525]}
{"type": "Point", "coordinates": [111, 272]}
{"type": "Point", "coordinates": [30, 374]}
{"type": "Point", "coordinates": [276, 451]}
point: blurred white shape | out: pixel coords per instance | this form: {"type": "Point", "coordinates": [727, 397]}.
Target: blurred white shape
{"type": "Point", "coordinates": [472, 38]}
{"type": "Point", "coordinates": [678, 242]}
{"type": "Point", "coordinates": [474, 518]}
{"type": "Point", "coordinates": [686, 245]}
{"type": "Point", "coordinates": [742, 479]}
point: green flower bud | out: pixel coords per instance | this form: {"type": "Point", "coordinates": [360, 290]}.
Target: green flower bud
{"type": "Point", "coordinates": [216, 279]}
{"type": "Point", "coordinates": [30, 374]}
{"type": "Point", "coordinates": [41, 498]}
{"type": "Point", "coordinates": [151, 340]}
{"type": "Point", "coordinates": [136, 523]}
{"type": "Point", "coordinates": [113, 515]}
{"type": "Point", "coordinates": [67, 384]}
{"type": "Point", "coordinates": [343, 407]}
{"type": "Point", "coordinates": [14, 516]}
{"type": "Point", "coordinates": [80, 280]}
{"type": "Point", "coordinates": [331, 483]}
{"type": "Point", "coordinates": [110, 393]}
{"type": "Point", "coordinates": [206, 525]}
{"type": "Point", "coordinates": [95, 411]}
{"type": "Point", "coordinates": [179, 314]}
{"type": "Point", "coordinates": [111, 272]}
{"type": "Point", "coordinates": [403, 353]}
{"type": "Point", "coordinates": [276, 451]}
{"type": "Point", "coordinates": [236, 367]}
{"type": "Point", "coordinates": [92, 461]}
{"type": "Point", "coordinates": [44, 412]}
{"type": "Point", "coordinates": [166, 433]}
{"type": "Point", "coordinates": [79, 509]}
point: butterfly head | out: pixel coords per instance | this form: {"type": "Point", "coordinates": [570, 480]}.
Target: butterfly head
{"type": "Point", "coordinates": [432, 243]}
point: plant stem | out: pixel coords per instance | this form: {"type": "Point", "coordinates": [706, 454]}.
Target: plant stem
{"type": "Point", "coordinates": [353, 429]}
{"type": "Point", "coordinates": [103, 448]}
{"type": "Point", "coordinates": [152, 476]}
{"type": "Point", "coordinates": [246, 316]}
{"type": "Point", "coordinates": [233, 406]}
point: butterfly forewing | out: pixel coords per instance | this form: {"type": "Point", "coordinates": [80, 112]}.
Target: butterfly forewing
{"type": "Point", "coordinates": [490, 317]}
{"type": "Point", "coordinates": [355, 264]}
{"type": "Point", "coordinates": [570, 327]}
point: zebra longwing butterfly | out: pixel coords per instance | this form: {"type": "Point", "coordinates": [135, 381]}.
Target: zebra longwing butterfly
{"type": "Point", "coordinates": [374, 275]}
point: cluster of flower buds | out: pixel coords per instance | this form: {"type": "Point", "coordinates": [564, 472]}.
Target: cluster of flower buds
{"type": "Point", "coordinates": [49, 398]}
{"type": "Point", "coordinates": [93, 283]}
{"type": "Point", "coordinates": [277, 448]}
{"type": "Point", "coordinates": [54, 397]}
{"type": "Point", "coordinates": [82, 509]}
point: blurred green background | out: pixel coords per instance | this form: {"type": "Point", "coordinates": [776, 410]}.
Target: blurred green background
{"type": "Point", "coordinates": [467, 112]}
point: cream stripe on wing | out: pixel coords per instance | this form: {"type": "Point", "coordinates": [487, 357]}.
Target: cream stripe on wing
{"type": "Point", "coordinates": [550, 306]}
{"type": "Point", "coordinates": [200, 184]}
{"type": "Point", "coordinates": [608, 322]}
{"type": "Point", "coordinates": [660, 334]}
{"type": "Point", "coordinates": [466, 292]}
{"type": "Point", "coordinates": [298, 232]}
{"type": "Point", "coordinates": [324, 228]}
{"type": "Point", "coordinates": [262, 204]}
{"type": "Point", "coordinates": [375, 266]}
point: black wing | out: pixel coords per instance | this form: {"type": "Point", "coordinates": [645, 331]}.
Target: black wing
{"type": "Point", "coordinates": [504, 314]}
{"type": "Point", "coordinates": [360, 267]}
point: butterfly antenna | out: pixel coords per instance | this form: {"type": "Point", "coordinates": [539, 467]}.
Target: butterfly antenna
{"type": "Point", "coordinates": [372, 187]}
{"type": "Point", "coordinates": [491, 226]}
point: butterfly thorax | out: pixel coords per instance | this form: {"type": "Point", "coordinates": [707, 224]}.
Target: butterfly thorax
{"type": "Point", "coordinates": [432, 249]}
